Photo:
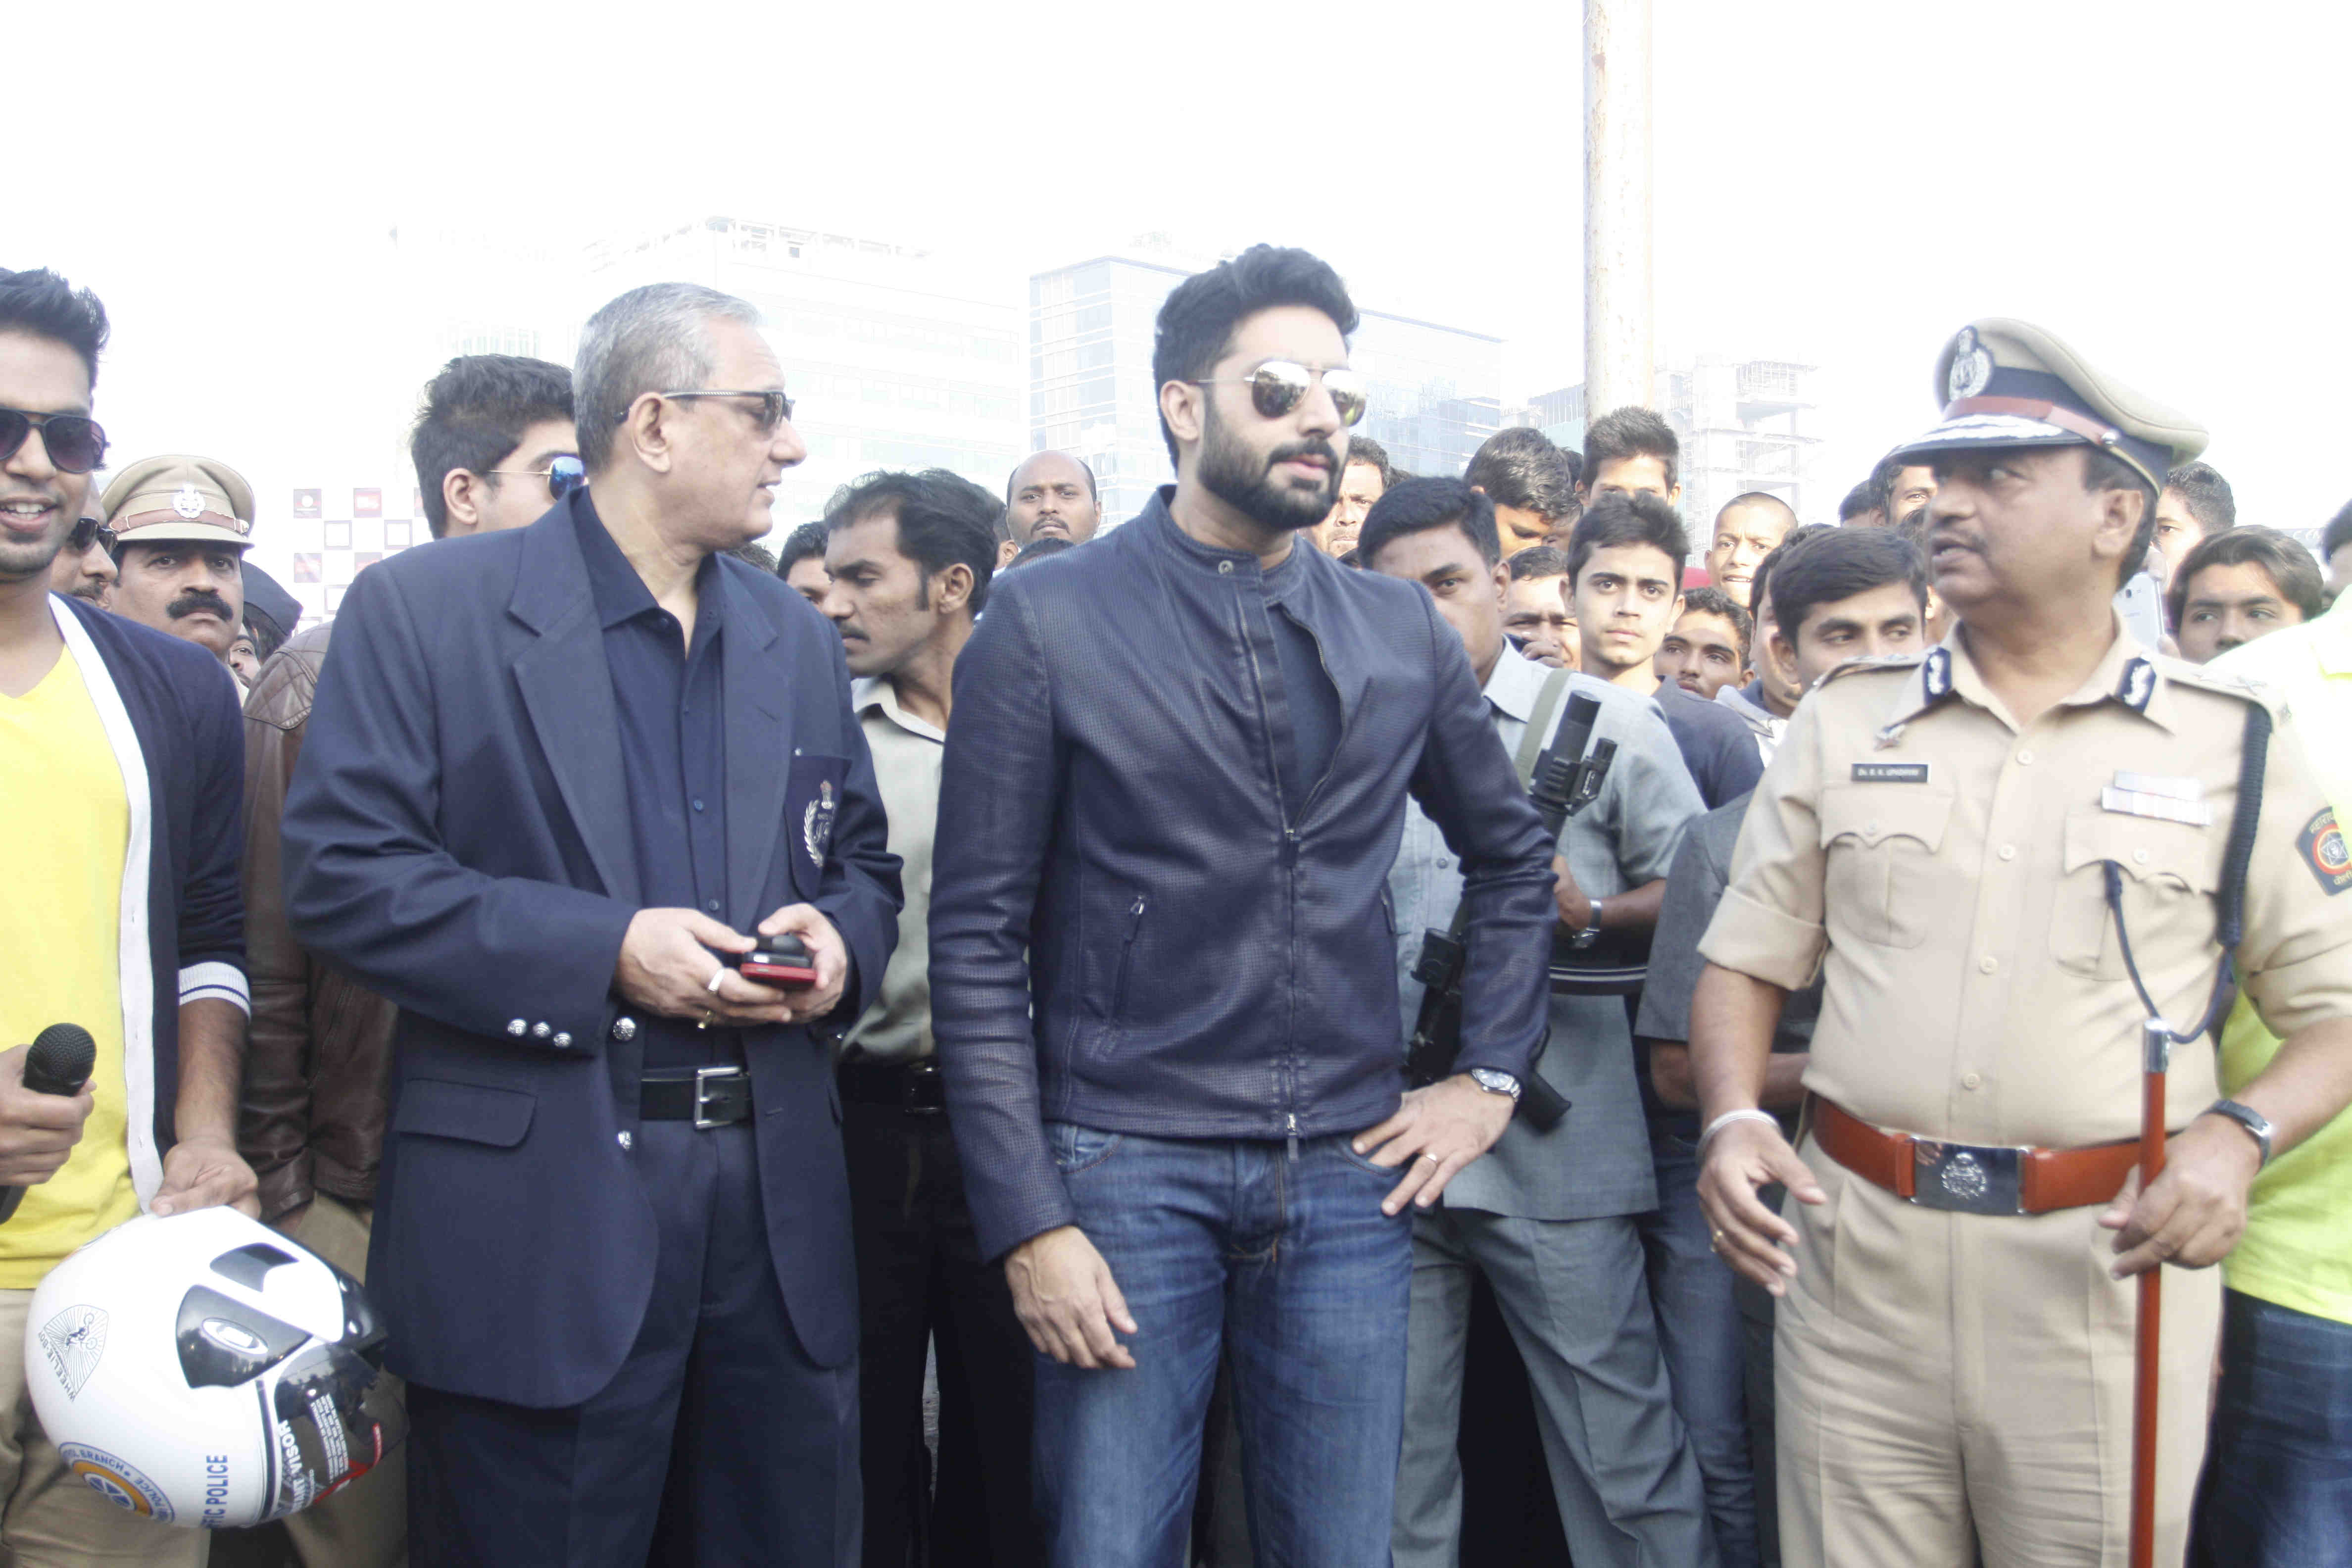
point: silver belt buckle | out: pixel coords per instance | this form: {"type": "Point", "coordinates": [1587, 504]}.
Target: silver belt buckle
{"type": "Point", "coordinates": [1967, 1178]}
{"type": "Point", "coordinates": [703, 1078]}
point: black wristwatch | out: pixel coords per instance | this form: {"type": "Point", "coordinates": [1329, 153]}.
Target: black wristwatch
{"type": "Point", "coordinates": [2247, 1117]}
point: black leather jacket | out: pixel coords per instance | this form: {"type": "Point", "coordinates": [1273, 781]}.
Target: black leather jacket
{"type": "Point", "coordinates": [1133, 930]}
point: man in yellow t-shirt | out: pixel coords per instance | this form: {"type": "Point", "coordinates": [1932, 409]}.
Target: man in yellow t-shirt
{"type": "Point", "coordinates": [120, 757]}
{"type": "Point", "coordinates": [62, 953]}
{"type": "Point", "coordinates": [2280, 1470]}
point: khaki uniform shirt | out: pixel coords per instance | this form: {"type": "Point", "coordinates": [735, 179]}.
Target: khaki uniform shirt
{"type": "Point", "coordinates": [897, 1026]}
{"type": "Point", "coordinates": [1940, 867]}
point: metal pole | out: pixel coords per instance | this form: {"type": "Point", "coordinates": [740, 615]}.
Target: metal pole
{"type": "Point", "coordinates": [1620, 325]}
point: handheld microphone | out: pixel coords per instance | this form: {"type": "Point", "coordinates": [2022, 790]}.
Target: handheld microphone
{"type": "Point", "coordinates": [59, 1062]}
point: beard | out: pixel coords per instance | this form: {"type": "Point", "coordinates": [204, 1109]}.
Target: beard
{"type": "Point", "coordinates": [1244, 482]}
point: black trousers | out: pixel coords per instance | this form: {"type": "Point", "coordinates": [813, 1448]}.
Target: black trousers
{"type": "Point", "coordinates": [920, 1282]}
{"type": "Point", "coordinates": [719, 1441]}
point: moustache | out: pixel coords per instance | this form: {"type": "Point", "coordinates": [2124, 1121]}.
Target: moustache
{"type": "Point", "coordinates": [199, 603]}
{"type": "Point", "coordinates": [1283, 454]}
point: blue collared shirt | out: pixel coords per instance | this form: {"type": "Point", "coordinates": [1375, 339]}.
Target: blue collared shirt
{"type": "Point", "coordinates": [667, 696]}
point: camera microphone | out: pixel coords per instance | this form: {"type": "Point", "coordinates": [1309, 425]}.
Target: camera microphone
{"type": "Point", "coordinates": [59, 1062]}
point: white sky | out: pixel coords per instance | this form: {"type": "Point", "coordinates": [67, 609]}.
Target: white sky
{"type": "Point", "coordinates": [2163, 185]}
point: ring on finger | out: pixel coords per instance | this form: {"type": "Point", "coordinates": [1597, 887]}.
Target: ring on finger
{"type": "Point", "coordinates": [1432, 1159]}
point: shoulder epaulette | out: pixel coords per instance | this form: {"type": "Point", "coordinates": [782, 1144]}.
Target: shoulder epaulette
{"type": "Point", "coordinates": [2219, 682]}
{"type": "Point", "coordinates": [1894, 661]}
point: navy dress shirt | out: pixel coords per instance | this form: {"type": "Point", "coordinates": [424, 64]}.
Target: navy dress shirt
{"type": "Point", "coordinates": [1310, 701]}
{"type": "Point", "coordinates": [665, 693]}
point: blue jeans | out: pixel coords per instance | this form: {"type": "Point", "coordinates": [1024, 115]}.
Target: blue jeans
{"type": "Point", "coordinates": [2277, 1491]}
{"type": "Point", "coordinates": [1699, 1329]}
{"type": "Point", "coordinates": [1289, 1262]}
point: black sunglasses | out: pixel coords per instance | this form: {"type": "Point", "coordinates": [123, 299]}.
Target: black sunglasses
{"type": "Point", "coordinates": [1280, 385]}
{"type": "Point", "coordinates": [564, 475]}
{"type": "Point", "coordinates": [774, 406]}
{"type": "Point", "coordinates": [89, 532]}
{"type": "Point", "coordinates": [76, 445]}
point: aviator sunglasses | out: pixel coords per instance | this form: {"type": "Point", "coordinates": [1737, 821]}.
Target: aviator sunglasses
{"type": "Point", "coordinates": [75, 442]}
{"type": "Point", "coordinates": [89, 532]}
{"type": "Point", "coordinates": [1280, 385]}
{"type": "Point", "coordinates": [774, 406]}
{"type": "Point", "coordinates": [564, 475]}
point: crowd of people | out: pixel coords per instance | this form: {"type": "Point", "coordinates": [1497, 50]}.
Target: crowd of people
{"type": "Point", "coordinates": [1145, 982]}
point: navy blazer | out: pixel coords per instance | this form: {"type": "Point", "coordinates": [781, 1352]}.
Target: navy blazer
{"type": "Point", "coordinates": [456, 835]}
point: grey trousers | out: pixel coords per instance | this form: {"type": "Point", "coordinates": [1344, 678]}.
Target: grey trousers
{"type": "Point", "coordinates": [1576, 1297]}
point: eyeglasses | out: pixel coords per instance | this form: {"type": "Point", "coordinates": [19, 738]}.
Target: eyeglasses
{"type": "Point", "coordinates": [564, 475]}
{"type": "Point", "coordinates": [76, 445]}
{"type": "Point", "coordinates": [774, 406]}
{"type": "Point", "coordinates": [89, 532]}
{"type": "Point", "coordinates": [1280, 385]}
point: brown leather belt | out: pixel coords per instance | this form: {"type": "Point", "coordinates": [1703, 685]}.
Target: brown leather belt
{"type": "Point", "coordinates": [1973, 1178]}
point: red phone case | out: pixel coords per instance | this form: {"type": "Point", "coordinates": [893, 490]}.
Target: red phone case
{"type": "Point", "coordinates": [776, 972]}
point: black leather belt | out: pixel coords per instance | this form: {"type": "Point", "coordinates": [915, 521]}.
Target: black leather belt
{"type": "Point", "coordinates": [708, 1096]}
{"type": "Point", "coordinates": [915, 1087]}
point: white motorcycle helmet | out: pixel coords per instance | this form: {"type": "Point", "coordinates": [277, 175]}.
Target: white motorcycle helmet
{"type": "Point", "coordinates": [200, 1369]}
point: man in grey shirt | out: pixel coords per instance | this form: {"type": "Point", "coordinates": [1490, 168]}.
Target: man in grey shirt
{"type": "Point", "coordinates": [910, 557]}
{"type": "Point", "coordinates": [1546, 1217]}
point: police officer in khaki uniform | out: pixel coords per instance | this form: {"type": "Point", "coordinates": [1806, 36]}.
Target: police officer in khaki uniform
{"type": "Point", "coordinates": [1936, 838]}
{"type": "Point", "coordinates": [183, 526]}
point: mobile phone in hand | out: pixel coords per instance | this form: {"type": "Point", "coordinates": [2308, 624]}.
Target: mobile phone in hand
{"type": "Point", "coordinates": [779, 961]}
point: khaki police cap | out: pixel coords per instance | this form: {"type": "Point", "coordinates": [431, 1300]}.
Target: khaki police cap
{"type": "Point", "coordinates": [162, 500]}
{"type": "Point", "coordinates": [2004, 383]}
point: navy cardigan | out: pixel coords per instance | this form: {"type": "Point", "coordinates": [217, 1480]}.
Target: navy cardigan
{"type": "Point", "coordinates": [170, 709]}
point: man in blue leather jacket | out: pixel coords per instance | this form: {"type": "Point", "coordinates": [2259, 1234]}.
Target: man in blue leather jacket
{"type": "Point", "coordinates": [1162, 958]}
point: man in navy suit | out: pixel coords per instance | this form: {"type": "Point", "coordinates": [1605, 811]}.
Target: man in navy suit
{"type": "Point", "coordinates": [556, 781]}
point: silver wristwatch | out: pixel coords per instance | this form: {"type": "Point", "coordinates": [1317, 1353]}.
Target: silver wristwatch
{"type": "Point", "coordinates": [1591, 931]}
{"type": "Point", "coordinates": [2253, 1120]}
{"type": "Point", "coordinates": [1494, 1082]}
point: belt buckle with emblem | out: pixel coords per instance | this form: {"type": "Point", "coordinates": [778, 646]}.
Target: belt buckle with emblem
{"type": "Point", "coordinates": [1967, 1178]}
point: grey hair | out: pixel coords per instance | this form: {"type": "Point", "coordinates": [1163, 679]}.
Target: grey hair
{"type": "Point", "coordinates": [651, 339]}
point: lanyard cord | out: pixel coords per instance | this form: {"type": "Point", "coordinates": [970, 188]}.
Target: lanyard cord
{"type": "Point", "coordinates": [2235, 859]}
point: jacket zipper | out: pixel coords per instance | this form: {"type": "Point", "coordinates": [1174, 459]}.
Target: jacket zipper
{"type": "Point", "coordinates": [1289, 860]}
{"type": "Point", "coordinates": [1290, 844]}
{"type": "Point", "coordinates": [1125, 955]}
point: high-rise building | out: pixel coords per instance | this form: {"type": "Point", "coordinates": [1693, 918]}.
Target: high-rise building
{"type": "Point", "coordinates": [1741, 423]}
{"type": "Point", "coordinates": [1435, 391]}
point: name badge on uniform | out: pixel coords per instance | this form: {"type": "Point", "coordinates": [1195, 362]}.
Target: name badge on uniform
{"type": "Point", "coordinates": [2158, 797]}
{"type": "Point", "coordinates": [1890, 773]}
{"type": "Point", "coordinates": [816, 824]}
